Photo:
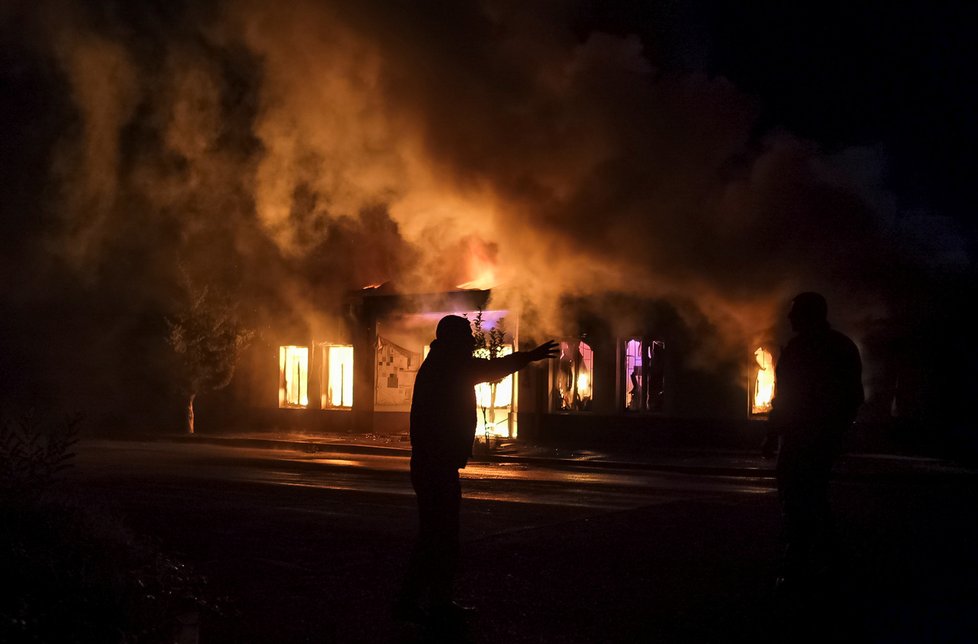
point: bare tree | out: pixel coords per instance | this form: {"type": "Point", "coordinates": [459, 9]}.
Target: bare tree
{"type": "Point", "coordinates": [209, 337]}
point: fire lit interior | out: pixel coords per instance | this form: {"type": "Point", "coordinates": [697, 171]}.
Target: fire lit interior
{"type": "Point", "coordinates": [495, 400]}
{"type": "Point", "coordinates": [644, 375]}
{"type": "Point", "coordinates": [763, 385]}
{"type": "Point", "coordinates": [338, 376]}
{"type": "Point", "coordinates": [293, 390]}
{"type": "Point", "coordinates": [572, 377]}
{"type": "Point", "coordinates": [401, 346]}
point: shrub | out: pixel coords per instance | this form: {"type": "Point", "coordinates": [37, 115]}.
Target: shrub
{"type": "Point", "coordinates": [73, 571]}
{"type": "Point", "coordinates": [33, 453]}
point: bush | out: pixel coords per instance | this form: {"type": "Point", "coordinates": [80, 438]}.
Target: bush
{"type": "Point", "coordinates": [76, 573]}
{"type": "Point", "coordinates": [33, 453]}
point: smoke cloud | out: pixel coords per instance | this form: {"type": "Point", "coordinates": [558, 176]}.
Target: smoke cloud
{"type": "Point", "coordinates": [292, 152]}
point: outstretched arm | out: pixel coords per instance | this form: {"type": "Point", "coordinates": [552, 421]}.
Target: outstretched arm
{"type": "Point", "coordinates": [484, 370]}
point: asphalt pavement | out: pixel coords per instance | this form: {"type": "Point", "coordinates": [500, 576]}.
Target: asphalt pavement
{"type": "Point", "coordinates": [680, 558]}
{"type": "Point", "coordinates": [708, 462]}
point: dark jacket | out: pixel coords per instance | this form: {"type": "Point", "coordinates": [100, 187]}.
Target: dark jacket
{"type": "Point", "coordinates": [443, 409]}
{"type": "Point", "coordinates": [818, 382]}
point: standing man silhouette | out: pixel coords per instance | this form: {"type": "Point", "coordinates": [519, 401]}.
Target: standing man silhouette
{"type": "Point", "coordinates": [443, 423]}
{"type": "Point", "coordinates": [818, 392]}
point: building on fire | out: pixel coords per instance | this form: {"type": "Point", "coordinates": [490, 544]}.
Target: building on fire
{"type": "Point", "coordinates": [359, 377]}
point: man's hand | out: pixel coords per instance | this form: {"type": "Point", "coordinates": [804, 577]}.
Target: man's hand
{"type": "Point", "coordinates": [549, 349]}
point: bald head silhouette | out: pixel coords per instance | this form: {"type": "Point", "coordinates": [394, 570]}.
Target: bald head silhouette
{"type": "Point", "coordinates": [809, 311]}
{"type": "Point", "coordinates": [455, 334]}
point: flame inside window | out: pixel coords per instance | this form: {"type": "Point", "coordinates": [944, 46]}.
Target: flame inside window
{"type": "Point", "coordinates": [338, 372]}
{"type": "Point", "coordinates": [573, 386]}
{"type": "Point", "coordinates": [494, 401]}
{"type": "Point", "coordinates": [504, 390]}
{"type": "Point", "coordinates": [294, 376]}
{"type": "Point", "coordinates": [764, 382]}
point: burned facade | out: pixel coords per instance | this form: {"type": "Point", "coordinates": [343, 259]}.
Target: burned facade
{"type": "Point", "coordinates": [359, 375]}
{"type": "Point", "coordinates": [625, 375]}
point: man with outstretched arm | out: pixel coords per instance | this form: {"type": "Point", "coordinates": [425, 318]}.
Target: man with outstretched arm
{"type": "Point", "coordinates": [443, 423]}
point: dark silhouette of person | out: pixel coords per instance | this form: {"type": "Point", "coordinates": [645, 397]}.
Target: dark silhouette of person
{"type": "Point", "coordinates": [818, 390]}
{"type": "Point", "coordinates": [443, 425]}
{"type": "Point", "coordinates": [635, 400]}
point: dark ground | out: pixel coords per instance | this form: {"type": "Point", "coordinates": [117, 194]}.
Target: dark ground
{"type": "Point", "coordinates": [315, 564]}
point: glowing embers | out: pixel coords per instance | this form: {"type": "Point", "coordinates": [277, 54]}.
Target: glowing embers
{"type": "Point", "coordinates": [293, 388]}
{"type": "Point", "coordinates": [338, 376]}
{"type": "Point", "coordinates": [494, 399]}
{"type": "Point", "coordinates": [644, 376]}
{"type": "Point", "coordinates": [572, 377]}
{"type": "Point", "coordinates": [762, 385]}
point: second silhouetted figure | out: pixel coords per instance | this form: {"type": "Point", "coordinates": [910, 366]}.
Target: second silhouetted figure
{"type": "Point", "coordinates": [818, 392]}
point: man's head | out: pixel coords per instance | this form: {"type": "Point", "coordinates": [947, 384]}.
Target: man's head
{"type": "Point", "coordinates": [808, 311]}
{"type": "Point", "coordinates": [454, 332]}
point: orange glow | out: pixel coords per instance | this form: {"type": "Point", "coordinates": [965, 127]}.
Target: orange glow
{"type": "Point", "coordinates": [764, 384]}
{"type": "Point", "coordinates": [584, 384]}
{"type": "Point", "coordinates": [495, 419]}
{"type": "Point", "coordinates": [339, 376]}
{"type": "Point", "coordinates": [293, 376]}
{"type": "Point", "coordinates": [481, 265]}
{"type": "Point", "coordinates": [504, 390]}
{"type": "Point", "coordinates": [572, 378]}
{"type": "Point", "coordinates": [485, 279]}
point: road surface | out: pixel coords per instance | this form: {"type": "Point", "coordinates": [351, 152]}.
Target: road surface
{"type": "Point", "coordinates": [310, 548]}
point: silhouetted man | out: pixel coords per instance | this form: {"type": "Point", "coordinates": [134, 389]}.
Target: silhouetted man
{"type": "Point", "coordinates": [443, 423]}
{"type": "Point", "coordinates": [818, 382]}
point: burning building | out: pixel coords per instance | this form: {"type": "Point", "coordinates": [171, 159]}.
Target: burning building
{"type": "Point", "coordinates": [609, 377]}
{"type": "Point", "coordinates": [647, 218]}
{"type": "Point", "coordinates": [362, 376]}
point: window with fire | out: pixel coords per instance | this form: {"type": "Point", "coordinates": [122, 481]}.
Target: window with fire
{"type": "Point", "coordinates": [337, 374]}
{"type": "Point", "coordinates": [495, 399]}
{"type": "Point", "coordinates": [293, 388]}
{"type": "Point", "coordinates": [644, 375]}
{"type": "Point", "coordinates": [572, 377]}
{"type": "Point", "coordinates": [761, 384]}
{"type": "Point", "coordinates": [336, 377]}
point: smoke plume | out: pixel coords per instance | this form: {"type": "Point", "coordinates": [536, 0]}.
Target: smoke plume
{"type": "Point", "coordinates": [292, 152]}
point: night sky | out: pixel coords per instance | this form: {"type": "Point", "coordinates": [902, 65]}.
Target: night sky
{"type": "Point", "coordinates": [717, 156]}
{"type": "Point", "coordinates": [896, 77]}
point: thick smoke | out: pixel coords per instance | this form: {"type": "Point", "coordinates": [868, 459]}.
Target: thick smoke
{"type": "Point", "coordinates": [292, 152]}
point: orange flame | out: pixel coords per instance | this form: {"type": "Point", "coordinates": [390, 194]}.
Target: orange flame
{"type": "Point", "coordinates": [764, 385]}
